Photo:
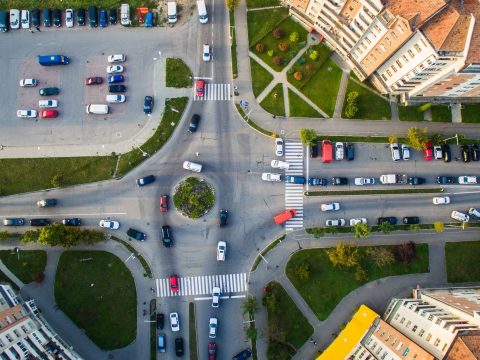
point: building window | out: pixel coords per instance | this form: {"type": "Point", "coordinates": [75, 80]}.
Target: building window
{"type": "Point", "coordinates": [368, 40]}
{"type": "Point", "coordinates": [377, 29]}
{"type": "Point", "coordinates": [397, 316]}
{"type": "Point", "coordinates": [403, 319]}
{"type": "Point", "coordinates": [382, 47]}
{"type": "Point", "coordinates": [438, 321]}
{"type": "Point", "coordinates": [423, 42]}
{"type": "Point", "coordinates": [419, 50]}
{"type": "Point", "coordinates": [384, 77]}
{"type": "Point", "coordinates": [395, 70]}
{"type": "Point", "coordinates": [399, 63]}
{"type": "Point", "coordinates": [437, 341]}
{"type": "Point", "coordinates": [429, 336]}
{"type": "Point", "coordinates": [388, 41]}
{"type": "Point", "coordinates": [430, 317]}
{"type": "Point", "coordinates": [8, 337]}
{"type": "Point", "coordinates": [405, 58]}
{"type": "Point", "coordinates": [393, 35]}
{"type": "Point", "coordinates": [444, 346]}
{"type": "Point", "coordinates": [399, 28]}
{"type": "Point", "coordinates": [410, 52]}
{"type": "Point", "coordinates": [414, 328]}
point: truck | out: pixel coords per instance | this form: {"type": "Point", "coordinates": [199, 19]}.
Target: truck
{"type": "Point", "coordinates": [327, 151]}
{"type": "Point", "coordinates": [394, 179]}
{"type": "Point", "coordinates": [50, 60]}
{"type": "Point", "coordinates": [284, 216]}
{"type": "Point", "coordinates": [125, 15]}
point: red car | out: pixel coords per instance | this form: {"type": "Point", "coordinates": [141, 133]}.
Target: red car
{"type": "Point", "coordinates": [164, 203]}
{"type": "Point", "coordinates": [428, 151]}
{"type": "Point", "coordinates": [174, 283]}
{"type": "Point", "coordinates": [212, 349]}
{"type": "Point", "coordinates": [48, 114]}
{"type": "Point", "coordinates": [95, 80]}
{"type": "Point", "coordinates": [200, 87]}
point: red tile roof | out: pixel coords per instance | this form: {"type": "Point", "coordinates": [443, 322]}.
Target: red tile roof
{"type": "Point", "coordinates": [424, 9]}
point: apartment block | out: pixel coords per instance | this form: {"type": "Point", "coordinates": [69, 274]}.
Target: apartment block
{"type": "Point", "coordinates": [25, 334]}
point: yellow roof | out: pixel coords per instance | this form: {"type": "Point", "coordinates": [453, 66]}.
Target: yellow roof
{"type": "Point", "coordinates": [351, 335]}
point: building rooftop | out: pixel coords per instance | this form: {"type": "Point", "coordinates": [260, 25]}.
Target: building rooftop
{"type": "Point", "coordinates": [465, 347]}
{"type": "Point", "coordinates": [420, 10]}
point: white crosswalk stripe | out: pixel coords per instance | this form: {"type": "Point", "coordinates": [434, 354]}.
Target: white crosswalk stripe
{"type": "Point", "coordinates": [214, 92]}
{"type": "Point", "coordinates": [294, 192]}
{"type": "Point", "coordinates": [203, 285]}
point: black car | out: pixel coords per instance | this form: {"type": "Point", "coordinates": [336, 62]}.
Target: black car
{"type": "Point", "coordinates": [117, 88]}
{"type": "Point", "coordinates": [81, 17]}
{"type": "Point", "coordinates": [35, 16]}
{"type": "Point", "coordinates": [314, 150]}
{"type": "Point", "coordinates": [160, 321]}
{"type": "Point", "coordinates": [245, 354]}
{"type": "Point", "coordinates": [179, 346]}
{"type": "Point", "coordinates": [390, 219]}
{"type": "Point", "coordinates": [194, 123]}
{"type": "Point", "coordinates": [112, 16]}
{"type": "Point", "coordinates": [137, 235]}
{"type": "Point", "coordinates": [223, 214]}
{"type": "Point", "coordinates": [317, 182]}
{"type": "Point", "coordinates": [148, 105]}
{"type": "Point", "coordinates": [350, 152]}
{"type": "Point", "coordinates": [57, 17]}
{"type": "Point", "coordinates": [47, 20]}
{"type": "Point", "coordinates": [39, 222]}
{"type": "Point", "coordinates": [339, 181]}
{"type": "Point", "coordinates": [72, 222]}
{"type": "Point", "coordinates": [46, 202]}
{"type": "Point", "coordinates": [92, 16]}
{"type": "Point", "coordinates": [145, 180]}
{"type": "Point", "coordinates": [13, 222]}
{"type": "Point", "coordinates": [167, 236]}
{"type": "Point", "coordinates": [445, 180]}
{"type": "Point", "coordinates": [475, 152]}
{"type": "Point", "coordinates": [447, 154]}
{"type": "Point", "coordinates": [465, 153]}
{"type": "Point", "coordinates": [416, 180]}
{"type": "Point", "coordinates": [411, 220]}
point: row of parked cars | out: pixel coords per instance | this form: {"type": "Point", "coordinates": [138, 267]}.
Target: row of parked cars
{"type": "Point", "coordinates": [436, 152]}
{"type": "Point", "coordinates": [45, 106]}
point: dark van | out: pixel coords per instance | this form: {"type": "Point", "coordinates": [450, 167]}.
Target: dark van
{"type": "Point", "coordinates": [35, 16]}
{"type": "Point", "coordinates": [92, 16]}
{"type": "Point", "coordinates": [47, 18]}
{"type": "Point", "coordinates": [4, 21]}
{"type": "Point", "coordinates": [194, 123]}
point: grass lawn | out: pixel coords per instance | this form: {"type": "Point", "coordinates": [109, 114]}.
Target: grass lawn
{"type": "Point", "coordinates": [285, 323]}
{"type": "Point", "coordinates": [262, 22]}
{"type": "Point", "coordinates": [192, 332]}
{"type": "Point", "coordinates": [252, 4]}
{"type": "Point", "coordinates": [471, 113]}
{"type": "Point", "coordinates": [462, 261]}
{"type": "Point", "coordinates": [233, 45]}
{"type": "Point", "coordinates": [178, 74]}
{"type": "Point", "coordinates": [24, 264]}
{"type": "Point", "coordinates": [307, 66]}
{"type": "Point", "coordinates": [409, 113]}
{"type": "Point", "coordinates": [106, 311]}
{"type": "Point", "coordinates": [323, 86]}
{"type": "Point", "coordinates": [74, 4]}
{"type": "Point", "coordinates": [288, 26]}
{"type": "Point", "coordinates": [273, 102]}
{"type": "Point", "coordinates": [164, 131]}
{"type": "Point", "coordinates": [4, 279]}
{"type": "Point", "coordinates": [260, 77]}
{"type": "Point", "coordinates": [441, 113]}
{"type": "Point", "coordinates": [328, 285]}
{"type": "Point", "coordinates": [370, 105]}
{"type": "Point", "coordinates": [299, 108]}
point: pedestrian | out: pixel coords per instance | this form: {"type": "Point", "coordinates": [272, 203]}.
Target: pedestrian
{"type": "Point", "coordinates": [311, 340]}
{"type": "Point", "coordinates": [31, 31]}
{"type": "Point", "coordinates": [197, 153]}
{"type": "Point", "coordinates": [274, 116]}
{"type": "Point", "coordinates": [38, 29]}
{"type": "Point", "coordinates": [315, 343]}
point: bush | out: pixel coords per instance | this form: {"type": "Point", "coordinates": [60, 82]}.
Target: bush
{"type": "Point", "coordinates": [298, 76]}
{"type": "Point", "coordinates": [270, 53]}
{"type": "Point", "coordinates": [278, 60]}
{"type": "Point", "coordinates": [38, 277]}
{"type": "Point", "coordinates": [260, 47]}
{"type": "Point", "coordinates": [294, 37]}
{"type": "Point", "coordinates": [309, 68]}
{"type": "Point", "coordinates": [277, 33]}
{"type": "Point", "coordinates": [194, 197]}
{"type": "Point", "coordinates": [313, 55]}
{"type": "Point", "coordinates": [424, 107]}
{"type": "Point", "coordinates": [405, 252]}
{"type": "Point", "coordinates": [302, 271]}
{"type": "Point", "coordinates": [283, 47]}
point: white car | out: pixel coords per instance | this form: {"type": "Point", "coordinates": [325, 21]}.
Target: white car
{"type": "Point", "coordinates": [279, 164]}
{"type": "Point", "coordinates": [457, 215]}
{"type": "Point", "coordinates": [174, 322]}
{"type": "Point", "coordinates": [117, 58]}
{"type": "Point", "coordinates": [395, 151]}
{"type": "Point", "coordinates": [206, 53]}
{"type": "Point", "coordinates": [335, 222]}
{"type": "Point", "coordinates": [364, 181]}
{"type": "Point", "coordinates": [69, 18]}
{"type": "Point", "coordinates": [437, 153]}
{"type": "Point", "coordinates": [115, 69]}
{"type": "Point", "coordinates": [109, 224]}
{"type": "Point", "coordinates": [118, 98]}
{"type": "Point", "coordinates": [216, 297]}
{"type": "Point", "coordinates": [330, 207]}
{"type": "Point", "coordinates": [441, 200]}
{"type": "Point", "coordinates": [27, 113]}
{"type": "Point", "coordinates": [467, 180]}
{"type": "Point", "coordinates": [212, 325]}
{"type": "Point", "coordinates": [25, 19]}
{"type": "Point", "coordinates": [405, 152]}
{"type": "Point", "coordinates": [356, 221]}
{"type": "Point", "coordinates": [50, 103]}
{"type": "Point", "coordinates": [14, 19]}
{"type": "Point", "coordinates": [221, 250]}
{"type": "Point", "coordinates": [339, 147]}
{"type": "Point", "coordinates": [271, 177]}
{"type": "Point", "coordinates": [28, 82]}
{"type": "Point", "coordinates": [279, 147]}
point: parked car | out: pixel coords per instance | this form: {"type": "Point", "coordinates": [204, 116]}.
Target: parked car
{"type": "Point", "coordinates": [117, 58]}
{"type": "Point", "coordinates": [339, 151]}
{"type": "Point", "coordinates": [216, 297]}
{"type": "Point", "coordinates": [13, 222]}
{"type": "Point", "coordinates": [94, 80]}
{"type": "Point", "coordinates": [192, 127]}
{"type": "Point", "coordinates": [206, 52]}
{"type": "Point", "coordinates": [27, 113]}
{"type": "Point", "coordinates": [465, 149]}
{"type": "Point", "coordinates": [200, 88]}
{"type": "Point", "coordinates": [116, 99]}
{"type": "Point", "coordinates": [25, 19]}
{"type": "Point", "coordinates": [390, 219]}
{"type": "Point", "coordinates": [117, 78]}
{"type": "Point", "coordinates": [334, 206]}
{"type": "Point", "coordinates": [47, 20]}
{"type": "Point", "coordinates": [48, 114]}
{"type": "Point", "coordinates": [49, 91]}
{"type": "Point", "coordinates": [314, 149]}
{"type": "Point", "coordinates": [475, 152]}
{"type": "Point", "coordinates": [428, 151]}
{"type": "Point", "coordinates": [149, 20]}
{"type": "Point", "coordinates": [137, 235]}
{"type": "Point", "coordinates": [437, 152]}
{"type": "Point", "coordinates": [474, 213]}
{"type": "Point", "coordinates": [174, 283]}
{"type": "Point", "coordinates": [145, 180]}
{"type": "Point", "coordinates": [441, 200]}
{"type": "Point", "coordinates": [81, 17]}
{"type": "Point", "coordinates": [14, 19]}
{"type": "Point", "coordinates": [356, 221]}
{"type": "Point", "coordinates": [69, 18]}
{"type": "Point", "coordinates": [243, 355]}
{"type": "Point", "coordinates": [115, 69]}
{"type": "Point", "coordinates": [57, 17]}
{"type": "Point", "coordinates": [317, 182]}
{"type": "Point", "coordinates": [335, 222]}
{"type": "Point", "coordinates": [467, 180]}
{"type": "Point", "coordinates": [167, 236]}
{"type": "Point", "coordinates": [394, 149]}
{"type": "Point", "coordinates": [212, 351]}
{"type": "Point", "coordinates": [161, 343]}
{"type": "Point", "coordinates": [92, 16]}
{"type": "Point", "coordinates": [72, 222]}
{"type": "Point", "coordinates": [102, 18]}
{"type": "Point", "coordinates": [223, 214]}
{"type": "Point", "coordinates": [112, 16]}
{"type": "Point", "coordinates": [279, 147]}
{"type": "Point", "coordinates": [221, 250]}
{"type": "Point", "coordinates": [447, 154]}
{"type": "Point", "coordinates": [39, 222]}
{"type": "Point", "coordinates": [291, 179]}
{"type": "Point", "coordinates": [28, 82]}
{"type": "Point", "coordinates": [339, 181]}
{"type": "Point", "coordinates": [279, 164]}
{"type": "Point", "coordinates": [35, 17]}
{"type": "Point", "coordinates": [405, 152]}
{"type": "Point", "coordinates": [212, 326]}
{"type": "Point", "coordinates": [109, 224]}
{"type": "Point", "coordinates": [416, 180]}
{"type": "Point", "coordinates": [457, 215]}
{"type": "Point", "coordinates": [179, 346]}
{"type": "Point", "coordinates": [174, 322]}
{"type": "Point", "coordinates": [271, 177]}
{"type": "Point", "coordinates": [164, 203]}
{"type": "Point", "coordinates": [410, 220]}
{"type": "Point", "coordinates": [364, 181]}
{"type": "Point", "coordinates": [117, 88]}
{"type": "Point", "coordinates": [160, 321]}
{"type": "Point", "coordinates": [47, 103]}
{"type": "Point", "coordinates": [46, 203]}
{"type": "Point", "coordinates": [147, 104]}
{"type": "Point", "coordinates": [445, 180]}
{"type": "Point", "coordinates": [350, 152]}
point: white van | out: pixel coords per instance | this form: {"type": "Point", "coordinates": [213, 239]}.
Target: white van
{"type": "Point", "coordinates": [125, 15]}
{"type": "Point", "coordinates": [116, 98]}
{"type": "Point", "coordinates": [25, 19]}
{"type": "Point", "coordinates": [457, 215]}
{"type": "Point", "coordinates": [395, 152]}
{"type": "Point", "coordinates": [188, 165]}
{"type": "Point", "coordinates": [14, 19]}
{"type": "Point", "coordinates": [202, 11]}
{"type": "Point", "coordinates": [97, 109]}
{"type": "Point", "coordinates": [172, 12]}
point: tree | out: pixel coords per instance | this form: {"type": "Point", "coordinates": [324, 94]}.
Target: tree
{"type": "Point", "coordinates": [38, 277]}
{"type": "Point", "coordinates": [439, 226]}
{"type": "Point", "coordinates": [351, 108]}
{"type": "Point", "coordinates": [344, 255]}
{"type": "Point", "coordinates": [52, 235]}
{"type": "Point", "coordinates": [30, 236]}
{"type": "Point", "coordinates": [250, 305]}
{"type": "Point", "coordinates": [283, 46]}
{"type": "Point", "coordinates": [232, 4]}
{"type": "Point", "coordinates": [260, 47]}
{"type": "Point", "coordinates": [438, 138]}
{"type": "Point", "coordinates": [361, 231]}
{"type": "Point", "coordinates": [277, 33]}
{"type": "Point", "coordinates": [386, 227]}
{"type": "Point", "coordinates": [57, 181]}
{"type": "Point", "coordinates": [309, 68]}
{"type": "Point", "coordinates": [270, 53]}
{"type": "Point", "coordinates": [302, 271]}
{"type": "Point", "coordinates": [414, 227]}
{"type": "Point", "coordinates": [405, 252]}
{"type": "Point", "coordinates": [251, 332]}
{"type": "Point", "coordinates": [298, 76]}
{"type": "Point", "coordinates": [278, 60]}
{"type": "Point", "coordinates": [313, 55]}
{"type": "Point", "coordinates": [381, 255]}
{"type": "Point", "coordinates": [308, 136]}
{"type": "Point", "coordinates": [270, 301]}
{"type": "Point", "coordinates": [4, 235]}
{"type": "Point", "coordinates": [361, 274]}
{"type": "Point", "coordinates": [392, 139]}
{"type": "Point", "coordinates": [294, 37]}
{"type": "Point", "coordinates": [417, 138]}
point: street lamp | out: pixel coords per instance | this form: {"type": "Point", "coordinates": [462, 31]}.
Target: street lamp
{"type": "Point", "coordinates": [143, 152]}
{"type": "Point", "coordinates": [453, 137]}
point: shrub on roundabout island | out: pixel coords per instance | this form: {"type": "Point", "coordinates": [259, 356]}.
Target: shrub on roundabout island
{"type": "Point", "coordinates": [194, 197]}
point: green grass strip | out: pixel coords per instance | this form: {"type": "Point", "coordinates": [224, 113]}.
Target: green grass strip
{"type": "Point", "coordinates": [374, 192]}
{"type": "Point", "coordinates": [462, 261]}
{"type": "Point", "coordinates": [153, 335]}
{"type": "Point", "coordinates": [266, 251]}
{"type": "Point", "coordinates": [192, 332]}
{"type": "Point", "coordinates": [178, 74]}
{"type": "Point", "coordinates": [146, 267]}
{"type": "Point", "coordinates": [24, 264]}
{"type": "Point", "coordinates": [233, 46]}
{"type": "Point", "coordinates": [251, 123]}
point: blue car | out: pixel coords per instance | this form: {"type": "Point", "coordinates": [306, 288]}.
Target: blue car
{"type": "Point", "coordinates": [115, 78]}
{"type": "Point", "coordinates": [317, 182]}
{"type": "Point", "coordinates": [295, 179]}
{"type": "Point", "coordinates": [103, 18]}
{"type": "Point", "coordinates": [149, 20]}
{"type": "Point", "coordinates": [145, 180]}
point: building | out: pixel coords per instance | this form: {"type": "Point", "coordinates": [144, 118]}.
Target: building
{"type": "Point", "coordinates": [421, 50]}
{"type": "Point", "coordinates": [24, 333]}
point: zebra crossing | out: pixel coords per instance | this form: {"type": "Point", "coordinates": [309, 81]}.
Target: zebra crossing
{"type": "Point", "coordinates": [203, 285]}
{"type": "Point", "coordinates": [294, 192]}
{"type": "Point", "coordinates": [214, 92]}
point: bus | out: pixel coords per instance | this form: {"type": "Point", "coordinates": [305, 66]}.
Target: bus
{"type": "Point", "coordinates": [327, 151]}
{"type": "Point", "coordinates": [284, 216]}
